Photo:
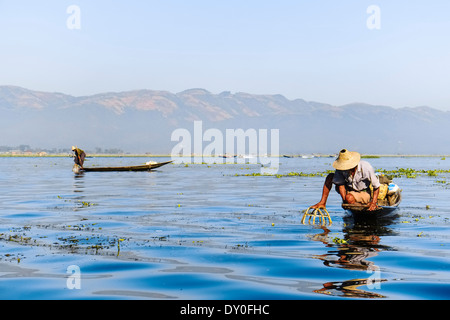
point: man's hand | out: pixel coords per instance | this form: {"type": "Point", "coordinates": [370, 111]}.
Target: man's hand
{"type": "Point", "coordinates": [373, 206]}
{"type": "Point", "coordinates": [319, 205]}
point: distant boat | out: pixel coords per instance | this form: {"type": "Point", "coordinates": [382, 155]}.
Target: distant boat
{"type": "Point", "coordinates": [308, 157]}
{"type": "Point", "coordinates": [247, 156]}
{"type": "Point", "coordinates": [144, 167]}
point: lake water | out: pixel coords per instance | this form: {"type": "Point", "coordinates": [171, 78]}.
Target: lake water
{"type": "Point", "coordinates": [209, 231]}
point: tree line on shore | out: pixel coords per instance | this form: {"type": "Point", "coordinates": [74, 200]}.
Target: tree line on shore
{"type": "Point", "coordinates": [27, 149]}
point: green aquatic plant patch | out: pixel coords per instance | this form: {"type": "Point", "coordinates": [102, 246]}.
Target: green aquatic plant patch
{"type": "Point", "coordinates": [290, 174]}
{"type": "Point", "coordinates": [412, 173]}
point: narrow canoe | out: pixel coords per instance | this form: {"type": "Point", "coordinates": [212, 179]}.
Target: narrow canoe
{"type": "Point", "coordinates": [144, 167]}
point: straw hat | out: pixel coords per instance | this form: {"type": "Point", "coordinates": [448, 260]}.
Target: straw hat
{"type": "Point", "coordinates": [347, 160]}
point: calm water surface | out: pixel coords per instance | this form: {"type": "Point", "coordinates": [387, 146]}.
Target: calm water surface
{"type": "Point", "coordinates": [207, 231]}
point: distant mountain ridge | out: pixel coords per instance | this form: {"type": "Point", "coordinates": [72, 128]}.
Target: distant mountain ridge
{"type": "Point", "coordinates": [143, 120]}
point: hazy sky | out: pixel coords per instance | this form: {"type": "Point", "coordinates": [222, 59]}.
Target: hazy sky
{"type": "Point", "coordinates": [321, 50]}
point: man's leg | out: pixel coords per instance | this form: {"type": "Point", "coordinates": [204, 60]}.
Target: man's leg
{"type": "Point", "coordinates": [360, 197]}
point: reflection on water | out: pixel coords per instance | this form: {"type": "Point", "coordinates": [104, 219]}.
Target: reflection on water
{"type": "Point", "coordinates": [78, 182]}
{"type": "Point", "coordinates": [350, 288]}
{"type": "Point", "coordinates": [362, 241]}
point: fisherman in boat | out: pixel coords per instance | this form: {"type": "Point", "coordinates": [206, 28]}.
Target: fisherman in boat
{"type": "Point", "coordinates": [352, 179]}
{"type": "Point", "coordinates": [79, 156]}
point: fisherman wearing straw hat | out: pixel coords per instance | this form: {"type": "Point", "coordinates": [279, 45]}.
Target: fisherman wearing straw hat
{"type": "Point", "coordinates": [352, 179]}
{"type": "Point", "coordinates": [79, 156]}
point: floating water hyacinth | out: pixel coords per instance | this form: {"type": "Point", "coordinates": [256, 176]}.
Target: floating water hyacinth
{"type": "Point", "coordinates": [412, 173]}
{"type": "Point", "coordinates": [290, 174]}
{"type": "Point", "coordinates": [82, 203]}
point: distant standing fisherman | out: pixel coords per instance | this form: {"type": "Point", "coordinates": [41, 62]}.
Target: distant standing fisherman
{"type": "Point", "coordinates": [79, 156]}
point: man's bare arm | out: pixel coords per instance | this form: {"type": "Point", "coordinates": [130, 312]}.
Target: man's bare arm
{"type": "Point", "coordinates": [373, 204]}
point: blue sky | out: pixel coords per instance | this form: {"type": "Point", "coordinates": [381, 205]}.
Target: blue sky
{"type": "Point", "coordinates": [315, 50]}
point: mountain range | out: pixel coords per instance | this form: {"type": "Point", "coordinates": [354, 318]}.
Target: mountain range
{"type": "Point", "coordinates": [142, 121]}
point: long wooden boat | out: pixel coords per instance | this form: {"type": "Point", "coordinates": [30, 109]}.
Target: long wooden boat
{"type": "Point", "coordinates": [144, 167]}
{"type": "Point", "coordinates": [360, 209]}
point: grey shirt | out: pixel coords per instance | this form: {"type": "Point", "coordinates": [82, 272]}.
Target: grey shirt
{"type": "Point", "coordinates": [364, 176]}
